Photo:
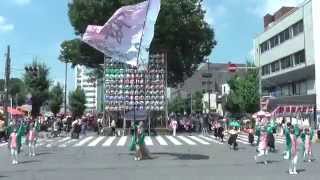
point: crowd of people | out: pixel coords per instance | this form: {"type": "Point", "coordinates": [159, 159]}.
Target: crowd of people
{"type": "Point", "coordinates": [298, 142]}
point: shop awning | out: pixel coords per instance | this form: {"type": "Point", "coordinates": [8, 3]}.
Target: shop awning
{"type": "Point", "coordinates": [292, 109]}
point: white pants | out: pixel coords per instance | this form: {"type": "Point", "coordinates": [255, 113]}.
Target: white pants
{"type": "Point", "coordinates": [174, 131]}
{"type": "Point", "coordinates": [14, 154]}
{"type": "Point", "coordinates": [32, 148]}
{"type": "Point", "coordinates": [204, 131]}
{"type": "Point", "coordinates": [293, 164]}
{"type": "Point", "coordinates": [263, 154]}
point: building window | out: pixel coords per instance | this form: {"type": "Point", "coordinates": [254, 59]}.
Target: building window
{"type": "Point", "coordinates": [204, 83]}
{"type": "Point", "coordinates": [297, 28]}
{"type": "Point", "coordinates": [264, 46]}
{"type": "Point", "coordinates": [285, 90]}
{"type": "Point", "coordinates": [290, 32]}
{"type": "Point", "coordinates": [274, 41]}
{"type": "Point", "coordinates": [286, 62]}
{"type": "Point", "coordinates": [266, 69]}
{"type": "Point", "coordinates": [303, 88]}
{"type": "Point", "coordinates": [275, 66]}
{"type": "Point", "coordinates": [286, 34]}
{"type": "Point", "coordinates": [299, 57]}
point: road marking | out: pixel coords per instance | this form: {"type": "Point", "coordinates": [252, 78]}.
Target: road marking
{"type": "Point", "coordinates": [3, 144]}
{"type": "Point", "coordinates": [63, 139]}
{"type": "Point", "coordinates": [109, 141]}
{"type": "Point", "coordinates": [210, 139]}
{"type": "Point", "coordinates": [67, 142]}
{"type": "Point", "coordinates": [214, 138]}
{"type": "Point", "coordinates": [122, 141]}
{"type": "Point", "coordinates": [96, 141]}
{"type": "Point", "coordinates": [57, 142]}
{"type": "Point", "coordinates": [83, 141]}
{"type": "Point", "coordinates": [174, 140]}
{"type": "Point", "coordinates": [199, 140]}
{"type": "Point", "coordinates": [148, 141]}
{"type": "Point", "coordinates": [186, 140]}
{"type": "Point", "coordinates": [161, 141]}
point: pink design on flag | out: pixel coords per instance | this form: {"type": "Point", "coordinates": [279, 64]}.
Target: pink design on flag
{"type": "Point", "coordinates": [121, 36]}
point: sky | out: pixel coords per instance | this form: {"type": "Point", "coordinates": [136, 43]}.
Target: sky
{"type": "Point", "coordinates": [34, 29]}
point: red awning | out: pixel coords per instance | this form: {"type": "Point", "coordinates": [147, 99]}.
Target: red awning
{"type": "Point", "coordinates": [291, 109]}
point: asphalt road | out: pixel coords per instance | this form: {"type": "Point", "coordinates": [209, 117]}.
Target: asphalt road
{"type": "Point", "coordinates": [168, 162]}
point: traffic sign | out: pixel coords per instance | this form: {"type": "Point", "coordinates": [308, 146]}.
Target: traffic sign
{"type": "Point", "coordinates": [232, 67]}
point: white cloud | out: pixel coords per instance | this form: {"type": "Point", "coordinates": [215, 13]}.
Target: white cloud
{"type": "Point", "coordinates": [214, 14]}
{"type": "Point", "coordinates": [261, 8]}
{"type": "Point", "coordinates": [4, 26]}
{"type": "Point", "coordinates": [22, 2]}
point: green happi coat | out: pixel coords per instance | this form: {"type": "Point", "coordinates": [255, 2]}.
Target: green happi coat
{"type": "Point", "coordinates": [258, 133]}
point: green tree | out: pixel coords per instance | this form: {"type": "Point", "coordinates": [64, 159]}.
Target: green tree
{"type": "Point", "coordinates": [77, 101]}
{"type": "Point", "coordinates": [16, 91]}
{"type": "Point", "coordinates": [180, 30]}
{"type": "Point", "coordinates": [244, 93]}
{"type": "Point", "coordinates": [56, 98]}
{"type": "Point", "coordinates": [197, 105]}
{"type": "Point", "coordinates": [38, 86]}
{"type": "Point", "coordinates": [177, 105]}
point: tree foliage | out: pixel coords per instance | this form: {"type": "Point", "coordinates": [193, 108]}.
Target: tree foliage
{"type": "Point", "coordinates": [56, 98]}
{"type": "Point", "coordinates": [197, 105]}
{"type": "Point", "coordinates": [180, 30]}
{"type": "Point", "coordinates": [244, 93]}
{"type": "Point", "coordinates": [77, 101]}
{"type": "Point", "coordinates": [177, 105]}
{"type": "Point", "coordinates": [16, 91]}
{"type": "Point", "coordinates": [37, 86]}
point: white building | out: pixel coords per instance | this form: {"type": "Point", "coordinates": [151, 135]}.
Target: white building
{"type": "Point", "coordinates": [90, 87]}
{"type": "Point", "coordinates": [288, 52]}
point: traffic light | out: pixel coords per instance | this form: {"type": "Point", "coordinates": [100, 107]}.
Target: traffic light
{"type": "Point", "coordinates": [33, 71]}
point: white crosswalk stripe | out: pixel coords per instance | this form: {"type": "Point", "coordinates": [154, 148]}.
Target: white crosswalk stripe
{"type": "Point", "coordinates": [83, 141]}
{"type": "Point", "coordinates": [161, 141]}
{"type": "Point", "coordinates": [186, 140]}
{"type": "Point", "coordinates": [199, 140]}
{"type": "Point", "coordinates": [96, 141]}
{"type": "Point", "coordinates": [102, 141]}
{"type": "Point", "coordinates": [109, 141]}
{"type": "Point", "coordinates": [174, 140]}
{"type": "Point", "coordinates": [210, 139]}
{"type": "Point", "coordinates": [52, 143]}
{"type": "Point", "coordinates": [148, 141]}
{"type": "Point", "coordinates": [68, 142]}
{"type": "Point", "coordinates": [122, 141]}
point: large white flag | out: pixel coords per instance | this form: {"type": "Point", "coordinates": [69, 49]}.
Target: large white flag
{"type": "Point", "coordinates": [121, 36]}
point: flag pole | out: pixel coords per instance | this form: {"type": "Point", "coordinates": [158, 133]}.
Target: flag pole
{"type": "Point", "coordinates": [138, 56]}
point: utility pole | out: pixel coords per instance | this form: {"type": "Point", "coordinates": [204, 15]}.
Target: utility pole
{"type": "Point", "coordinates": [65, 88]}
{"type": "Point", "coordinates": [208, 85]}
{"type": "Point", "coordinates": [6, 85]}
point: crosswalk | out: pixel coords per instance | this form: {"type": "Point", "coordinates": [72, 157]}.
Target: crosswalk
{"type": "Point", "coordinates": [166, 140]}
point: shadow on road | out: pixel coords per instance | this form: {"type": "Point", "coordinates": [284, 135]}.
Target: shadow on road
{"type": "Point", "coordinates": [269, 162]}
{"type": "Point", "coordinates": [180, 156]}
{"type": "Point", "coordinates": [44, 153]}
{"type": "Point", "coordinates": [29, 161]}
